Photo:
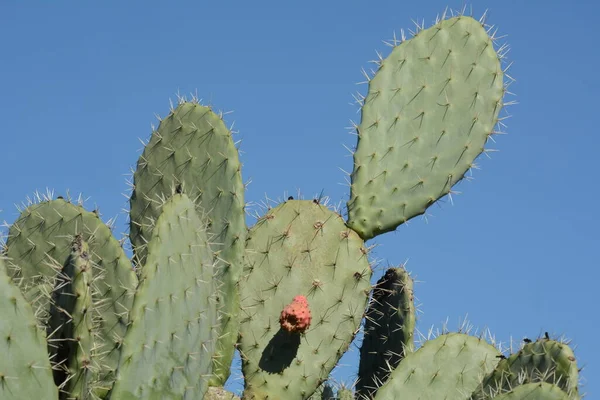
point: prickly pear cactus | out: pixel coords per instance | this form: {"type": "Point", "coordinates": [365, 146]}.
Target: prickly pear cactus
{"type": "Point", "coordinates": [389, 330]}
{"type": "Point", "coordinates": [429, 111]}
{"type": "Point", "coordinates": [170, 341]}
{"type": "Point", "coordinates": [193, 148]}
{"type": "Point", "coordinates": [533, 391]}
{"type": "Point", "coordinates": [446, 367]}
{"type": "Point", "coordinates": [544, 360]}
{"type": "Point", "coordinates": [39, 245]}
{"type": "Point", "coordinates": [299, 248]}
{"type": "Point", "coordinates": [25, 371]}
{"type": "Point", "coordinates": [72, 327]}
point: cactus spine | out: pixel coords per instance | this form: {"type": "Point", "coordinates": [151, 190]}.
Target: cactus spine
{"type": "Point", "coordinates": [291, 292]}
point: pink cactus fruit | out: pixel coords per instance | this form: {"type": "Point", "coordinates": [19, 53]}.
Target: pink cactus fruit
{"type": "Point", "coordinates": [295, 317]}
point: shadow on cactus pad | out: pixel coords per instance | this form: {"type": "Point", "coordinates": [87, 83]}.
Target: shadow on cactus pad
{"type": "Point", "coordinates": [280, 352]}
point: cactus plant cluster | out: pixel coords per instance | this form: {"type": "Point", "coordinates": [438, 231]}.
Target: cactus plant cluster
{"type": "Point", "coordinates": [79, 319]}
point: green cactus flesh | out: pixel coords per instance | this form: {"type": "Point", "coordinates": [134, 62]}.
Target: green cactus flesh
{"type": "Point", "coordinates": [168, 348]}
{"type": "Point", "coordinates": [389, 330]}
{"type": "Point", "coordinates": [448, 367]}
{"type": "Point", "coordinates": [192, 147]}
{"type": "Point", "coordinates": [25, 371]}
{"type": "Point", "coordinates": [79, 386]}
{"type": "Point", "coordinates": [72, 327]}
{"type": "Point", "coordinates": [544, 360]}
{"type": "Point", "coordinates": [299, 248]}
{"type": "Point", "coordinates": [39, 245]}
{"type": "Point", "coordinates": [345, 394]}
{"type": "Point", "coordinates": [533, 391]}
{"type": "Point", "coordinates": [323, 392]}
{"type": "Point", "coordinates": [428, 113]}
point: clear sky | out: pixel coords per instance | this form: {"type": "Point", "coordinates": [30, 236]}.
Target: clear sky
{"type": "Point", "coordinates": [517, 253]}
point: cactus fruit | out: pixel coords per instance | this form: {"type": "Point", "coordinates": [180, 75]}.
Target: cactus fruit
{"type": "Point", "coordinates": [295, 317]}
{"type": "Point", "coordinates": [429, 111]}
{"type": "Point", "coordinates": [389, 330]}
{"type": "Point", "coordinates": [168, 348]}
{"type": "Point", "coordinates": [193, 148]}
{"type": "Point", "coordinates": [25, 371]}
{"type": "Point", "coordinates": [299, 246]}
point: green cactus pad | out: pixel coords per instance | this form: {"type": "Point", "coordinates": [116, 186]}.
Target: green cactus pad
{"type": "Point", "coordinates": [448, 367]}
{"type": "Point", "coordinates": [168, 349]}
{"type": "Point", "coordinates": [192, 147]}
{"type": "Point", "coordinates": [299, 248]}
{"type": "Point", "coordinates": [76, 339]}
{"type": "Point", "coordinates": [345, 394]}
{"type": "Point", "coordinates": [39, 245]}
{"type": "Point", "coordinates": [389, 330]}
{"type": "Point", "coordinates": [544, 360]}
{"type": "Point", "coordinates": [25, 371]}
{"type": "Point", "coordinates": [533, 391]}
{"type": "Point", "coordinates": [428, 113]}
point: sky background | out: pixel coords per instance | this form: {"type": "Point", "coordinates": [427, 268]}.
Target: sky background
{"type": "Point", "coordinates": [517, 253]}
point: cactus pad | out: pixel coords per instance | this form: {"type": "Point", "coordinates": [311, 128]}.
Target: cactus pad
{"type": "Point", "coordinates": [444, 368]}
{"type": "Point", "coordinates": [39, 245]}
{"type": "Point", "coordinates": [533, 391]}
{"type": "Point", "coordinates": [544, 360]}
{"type": "Point", "coordinates": [168, 349]}
{"type": "Point", "coordinates": [25, 371]}
{"type": "Point", "coordinates": [193, 148]}
{"type": "Point", "coordinates": [72, 327]}
{"type": "Point", "coordinates": [389, 330]}
{"type": "Point", "coordinates": [428, 113]}
{"type": "Point", "coordinates": [299, 248]}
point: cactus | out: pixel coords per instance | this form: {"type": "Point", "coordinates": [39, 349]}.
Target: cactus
{"type": "Point", "coordinates": [544, 360]}
{"type": "Point", "coordinates": [168, 348]}
{"type": "Point", "coordinates": [299, 248]}
{"type": "Point", "coordinates": [429, 111]}
{"type": "Point", "coordinates": [291, 292]}
{"type": "Point", "coordinates": [25, 371]}
{"type": "Point", "coordinates": [193, 148]}
{"type": "Point", "coordinates": [72, 326]}
{"type": "Point", "coordinates": [446, 367]}
{"type": "Point", "coordinates": [537, 391]}
{"type": "Point", "coordinates": [39, 245]}
{"type": "Point", "coordinates": [389, 330]}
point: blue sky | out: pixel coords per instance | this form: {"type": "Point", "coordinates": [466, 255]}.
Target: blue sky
{"type": "Point", "coordinates": [81, 82]}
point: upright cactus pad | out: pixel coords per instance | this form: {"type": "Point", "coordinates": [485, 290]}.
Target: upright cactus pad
{"type": "Point", "coordinates": [25, 371]}
{"type": "Point", "coordinates": [193, 148]}
{"type": "Point", "coordinates": [168, 349]}
{"type": "Point", "coordinates": [72, 327]}
{"type": "Point", "coordinates": [544, 360]}
{"type": "Point", "coordinates": [389, 330]}
{"type": "Point", "coordinates": [429, 111]}
{"type": "Point", "coordinates": [448, 367]}
{"type": "Point", "coordinates": [39, 245]}
{"type": "Point", "coordinates": [299, 248]}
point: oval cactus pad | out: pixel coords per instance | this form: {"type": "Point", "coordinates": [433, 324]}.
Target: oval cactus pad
{"type": "Point", "coordinates": [428, 113]}
{"type": "Point", "coordinates": [448, 367]}
{"type": "Point", "coordinates": [300, 258]}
